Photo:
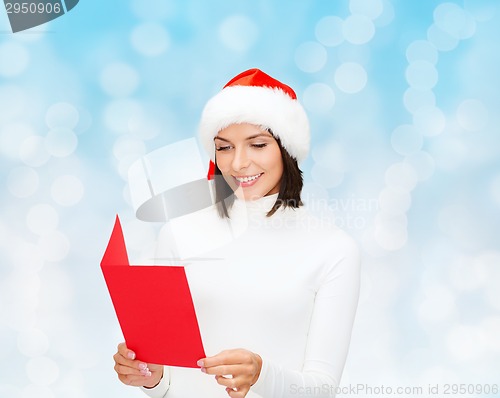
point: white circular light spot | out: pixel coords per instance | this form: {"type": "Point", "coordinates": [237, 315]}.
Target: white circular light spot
{"type": "Point", "coordinates": [472, 115]}
{"type": "Point", "coordinates": [423, 163]}
{"type": "Point", "coordinates": [127, 146]}
{"type": "Point", "coordinates": [10, 391]}
{"type": "Point", "coordinates": [310, 57]}
{"type": "Point", "coordinates": [490, 330]}
{"type": "Point", "coordinates": [32, 343]}
{"type": "Point", "coordinates": [441, 39]}
{"type": "Point", "coordinates": [438, 305]}
{"type": "Point", "coordinates": [405, 139]}
{"type": "Point", "coordinates": [390, 231]}
{"type": "Point", "coordinates": [61, 142]}
{"type": "Point", "coordinates": [39, 391]}
{"type": "Point", "coordinates": [152, 9]}
{"type": "Point", "coordinates": [481, 10]}
{"type": "Point", "coordinates": [330, 154]}
{"type": "Point", "coordinates": [394, 201]}
{"type": "Point", "coordinates": [119, 79]}
{"type": "Point", "coordinates": [421, 75]}
{"type": "Point", "coordinates": [12, 136]}
{"type": "Point", "coordinates": [238, 33]}
{"type": "Point", "coordinates": [401, 176]}
{"type": "Point", "coordinates": [495, 189]}
{"type": "Point", "coordinates": [465, 342]}
{"type": "Point", "coordinates": [326, 177]}
{"type": "Point", "coordinates": [319, 97]}
{"type": "Point", "coordinates": [13, 100]}
{"type": "Point", "coordinates": [329, 31]}
{"type": "Point", "coordinates": [422, 50]}
{"type": "Point", "coordinates": [351, 77]}
{"type": "Point", "coordinates": [67, 190]}
{"type": "Point", "coordinates": [42, 371]}
{"type": "Point", "coordinates": [33, 152]}
{"type": "Point", "coordinates": [42, 219]}
{"type": "Point", "coordinates": [144, 127]}
{"type": "Point", "coordinates": [14, 59]}
{"type": "Point", "coordinates": [429, 120]}
{"type": "Point", "coordinates": [119, 113]}
{"type": "Point", "coordinates": [358, 29]}
{"type": "Point", "coordinates": [150, 39]}
{"type": "Point", "coordinates": [53, 246]}
{"type": "Point", "coordinates": [23, 182]}
{"type": "Point", "coordinates": [454, 20]}
{"type": "Point", "coordinates": [466, 274]}
{"type": "Point", "coordinates": [387, 15]}
{"type": "Point", "coordinates": [415, 99]}
{"type": "Point", "coordinates": [62, 115]}
{"type": "Point", "coordinates": [369, 8]}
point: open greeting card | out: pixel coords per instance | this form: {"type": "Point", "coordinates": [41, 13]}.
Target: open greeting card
{"type": "Point", "coordinates": [154, 307]}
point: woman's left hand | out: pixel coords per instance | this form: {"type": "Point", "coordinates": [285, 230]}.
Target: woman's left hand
{"type": "Point", "coordinates": [243, 365]}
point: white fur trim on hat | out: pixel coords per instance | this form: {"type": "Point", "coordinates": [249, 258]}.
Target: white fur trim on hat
{"type": "Point", "coordinates": [263, 106]}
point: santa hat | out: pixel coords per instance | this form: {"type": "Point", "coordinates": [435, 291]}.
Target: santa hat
{"type": "Point", "coordinates": [256, 98]}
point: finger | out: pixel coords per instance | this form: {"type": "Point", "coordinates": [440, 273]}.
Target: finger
{"type": "Point", "coordinates": [138, 365]}
{"type": "Point", "coordinates": [131, 380]}
{"type": "Point", "coordinates": [125, 352]}
{"type": "Point", "coordinates": [127, 370]}
{"type": "Point", "coordinates": [233, 382]}
{"type": "Point", "coordinates": [238, 393]}
{"type": "Point", "coordinates": [227, 356]}
{"type": "Point", "coordinates": [224, 369]}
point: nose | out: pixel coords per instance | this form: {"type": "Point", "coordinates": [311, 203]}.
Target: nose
{"type": "Point", "coordinates": [240, 159]}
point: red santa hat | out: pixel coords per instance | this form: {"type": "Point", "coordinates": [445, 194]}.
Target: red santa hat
{"type": "Point", "coordinates": [257, 98]}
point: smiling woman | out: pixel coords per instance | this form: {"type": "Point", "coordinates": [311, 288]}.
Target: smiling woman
{"type": "Point", "coordinates": [275, 305]}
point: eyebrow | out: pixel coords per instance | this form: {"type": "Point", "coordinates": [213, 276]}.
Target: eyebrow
{"type": "Point", "coordinates": [248, 138]}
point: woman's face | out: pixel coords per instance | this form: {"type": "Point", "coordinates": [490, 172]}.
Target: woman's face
{"type": "Point", "coordinates": [250, 160]}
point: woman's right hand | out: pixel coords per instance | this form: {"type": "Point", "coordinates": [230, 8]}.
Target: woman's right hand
{"type": "Point", "coordinates": [134, 372]}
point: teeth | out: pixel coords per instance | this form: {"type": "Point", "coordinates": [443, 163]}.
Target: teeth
{"type": "Point", "coordinates": [247, 179]}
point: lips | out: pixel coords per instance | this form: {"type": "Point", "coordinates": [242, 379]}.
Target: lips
{"type": "Point", "coordinates": [247, 181]}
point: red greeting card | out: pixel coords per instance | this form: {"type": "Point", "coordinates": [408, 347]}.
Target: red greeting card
{"type": "Point", "coordinates": [154, 307]}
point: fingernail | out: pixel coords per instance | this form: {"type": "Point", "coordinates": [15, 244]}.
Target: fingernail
{"type": "Point", "coordinates": [204, 370]}
{"type": "Point", "coordinates": [131, 355]}
{"type": "Point", "coordinates": [200, 362]}
{"type": "Point", "coordinates": [147, 374]}
{"type": "Point", "coordinates": [143, 366]}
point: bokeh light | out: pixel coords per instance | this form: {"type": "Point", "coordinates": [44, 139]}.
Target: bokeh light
{"type": "Point", "coordinates": [310, 57]}
{"type": "Point", "coordinates": [405, 139]}
{"type": "Point", "coordinates": [329, 31]}
{"type": "Point", "coordinates": [150, 39]}
{"type": "Point", "coordinates": [238, 33]}
{"type": "Point", "coordinates": [318, 97]}
{"type": "Point", "coordinates": [119, 79]}
{"type": "Point", "coordinates": [358, 29]}
{"type": "Point", "coordinates": [67, 190]}
{"type": "Point", "coordinates": [404, 157]}
{"type": "Point", "coordinates": [472, 115]}
{"type": "Point", "coordinates": [351, 77]}
{"type": "Point", "coordinates": [14, 59]}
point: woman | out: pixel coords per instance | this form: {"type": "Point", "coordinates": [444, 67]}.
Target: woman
{"type": "Point", "coordinates": [277, 304]}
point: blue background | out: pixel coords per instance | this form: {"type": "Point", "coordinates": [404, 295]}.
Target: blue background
{"type": "Point", "coordinates": [402, 98]}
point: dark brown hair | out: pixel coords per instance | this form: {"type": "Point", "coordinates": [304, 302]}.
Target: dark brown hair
{"type": "Point", "coordinates": [289, 191]}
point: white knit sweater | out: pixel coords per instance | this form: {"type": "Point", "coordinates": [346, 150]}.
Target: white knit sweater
{"type": "Point", "coordinates": [287, 289]}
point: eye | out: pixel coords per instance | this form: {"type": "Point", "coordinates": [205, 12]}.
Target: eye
{"type": "Point", "coordinates": [223, 148]}
{"type": "Point", "coordinates": [263, 145]}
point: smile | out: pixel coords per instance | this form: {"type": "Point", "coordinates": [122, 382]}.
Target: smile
{"type": "Point", "coordinates": [247, 180]}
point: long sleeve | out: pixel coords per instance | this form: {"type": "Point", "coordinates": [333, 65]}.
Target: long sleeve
{"type": "Point", "coordinates": [161, 389]}
{"type": "Point", "coordinates": [328, 338]}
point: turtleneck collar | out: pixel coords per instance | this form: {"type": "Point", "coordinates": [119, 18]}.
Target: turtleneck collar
{"type": "Point", "coordinates": [261, 205]}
